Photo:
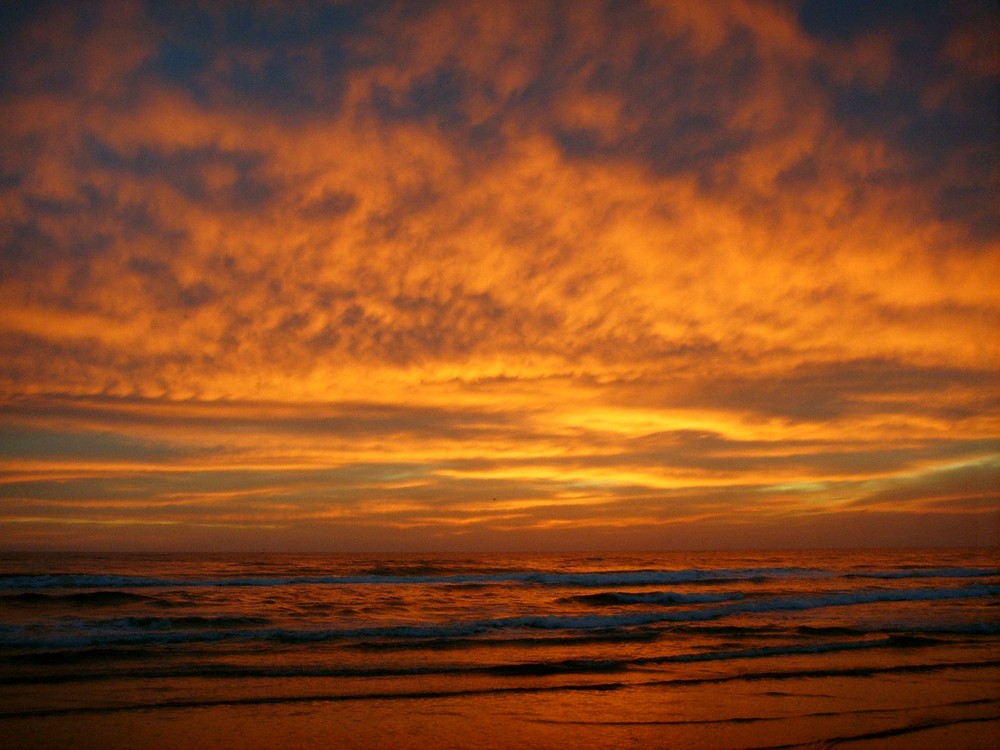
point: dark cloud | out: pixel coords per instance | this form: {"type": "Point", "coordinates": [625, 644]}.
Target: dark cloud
{"type": "Point", "coordinates": [440, 95]}
{"type": "Point", "coordinates": [344, 420]}
{"type": "Point", "coordinates": [680, 119]}
{"type": "Point", "coordinates": [28, 443]}
{"type": "Point", "coordinates": [332, 204]}
{"type": "Point", "coordinates": [944, 488]}
{"type": "Point", "coordinates": [938, 107]}
{"type": "Point", "coordinates": [26, 244]}
{"type": "Point", "coordinates": [37, 49]}
{"type": "Point", "coordinates": [245, 186]}
{"type": "Point", "coordinates": [715, 453]}
{"type": "Point", "coordinates": [823, 391]}
{"type": "Point", "coordinates": [846, 20]}
{"type": "Point", "coordinates": [255, 57]}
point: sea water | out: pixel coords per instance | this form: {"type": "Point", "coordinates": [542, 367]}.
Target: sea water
{"type": "Point", "coordinates": [783, 649]}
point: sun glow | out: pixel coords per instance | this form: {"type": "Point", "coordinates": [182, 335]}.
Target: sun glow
{"type": "Point", "coordinates": [661, 270]}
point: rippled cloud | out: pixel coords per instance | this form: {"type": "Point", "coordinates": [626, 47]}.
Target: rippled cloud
{"type": "Point", "coordinates": [523, 274]}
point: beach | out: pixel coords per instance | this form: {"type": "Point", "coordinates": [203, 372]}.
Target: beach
{"type": "Point", "coordinates": [698, 650]}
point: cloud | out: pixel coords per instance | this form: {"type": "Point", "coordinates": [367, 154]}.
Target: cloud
{"type": "Point", "coordinates": [523, 249]}
{"type": "Point", "coordinates": [966, 486]}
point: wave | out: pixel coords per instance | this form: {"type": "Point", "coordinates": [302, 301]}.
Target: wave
{"type": "Point", "coordinates": [188, 622]}
{"type": "Point", "coordinates": [927, 573]}
{"type": "Point", "coordinates": [141, 631]}
{"type": "Point", "coordinates": [975, 628]}
{"type": "Point", "coordinates": [311, 698]}
{"type": "Point", "coordinates": [429, 575]}
{"type": "Point", "coordinates": [85, 598]}
{"type": "Point", "coordinates": [910, 727]}
{"type": "Point", "coordinates": [571, 666]}
{"type": "Point", "coordinates": [72, 657]}
{"type": "Point", "coordinates": [853, 672]}
{"type": "Point", "coordinates": [746, 606]}
{"type": "Point", "coordinates": [579, 580]}
{"type": "Point", "coordinates": [517, 641]}
{"type": "Point", "coordinates": [653, 597]}
{"type": "Point", "coordinates": [540, 668]}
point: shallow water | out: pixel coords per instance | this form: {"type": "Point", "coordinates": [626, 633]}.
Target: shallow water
{"type": "Point", "coordinates": [862, 649]}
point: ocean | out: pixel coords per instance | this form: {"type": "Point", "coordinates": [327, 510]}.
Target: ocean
{"type": "Point", "coordinates": [667, 650]}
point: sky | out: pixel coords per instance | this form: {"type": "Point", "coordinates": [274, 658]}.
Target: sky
{"type": "Point", "coordinates": [499, 276]}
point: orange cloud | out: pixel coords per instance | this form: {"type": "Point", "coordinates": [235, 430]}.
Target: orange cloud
{"type": "Point", "coordinates": [632, 267]}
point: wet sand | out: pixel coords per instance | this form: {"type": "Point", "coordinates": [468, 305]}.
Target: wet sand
{"type": "Point", "coordinates": [954, 707]}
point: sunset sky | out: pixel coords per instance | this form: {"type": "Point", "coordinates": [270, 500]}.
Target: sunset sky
{"type": "Point", "coordinates": [494, 275]}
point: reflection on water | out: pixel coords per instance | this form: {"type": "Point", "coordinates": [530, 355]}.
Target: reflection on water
{"type": "Point", "coordinates": [757, 648]}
